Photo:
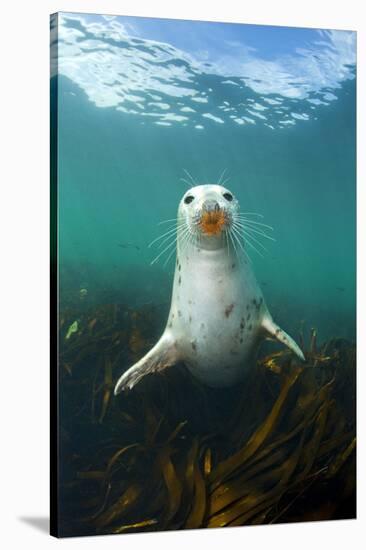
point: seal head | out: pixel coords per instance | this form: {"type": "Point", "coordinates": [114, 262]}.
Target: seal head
{"type": "Point", "coordinates": [207, 212]}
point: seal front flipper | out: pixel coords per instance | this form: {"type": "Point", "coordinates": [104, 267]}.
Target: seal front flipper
{"type": "Point", "coordinates": [162, 355]}
{"type": "Point", "coordinates": [274, 331]}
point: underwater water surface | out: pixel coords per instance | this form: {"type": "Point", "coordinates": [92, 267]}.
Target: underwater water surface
{"type": "Point", "coordinates": [144, 104]}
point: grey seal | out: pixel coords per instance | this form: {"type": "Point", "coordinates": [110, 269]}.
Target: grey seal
{"type": "Point", "coordinates": [218, 315]}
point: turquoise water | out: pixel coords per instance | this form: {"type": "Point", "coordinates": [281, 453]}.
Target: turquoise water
{"type": "Point", "coordinates": [135, 112]}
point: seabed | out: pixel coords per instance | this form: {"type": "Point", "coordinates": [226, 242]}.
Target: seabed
{"type": "Point", "coordinates": [173, 454]}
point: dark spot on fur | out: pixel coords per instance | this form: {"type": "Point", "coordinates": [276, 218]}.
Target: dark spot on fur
{"type": "Point", "coordinates": [257, 303]}
{"type": "Point", "coordinates": [194, 346]}
{"type": "Point", "coordinates": [172, 315]}
{"type": "Point", "coordinates": [248, 316]}
{"type": "Point", "coordinates": [228, 310]}
{"type": "Point", "coordinates": [242, 323]}
{"type": "Point", "coordinates": [190, 319]}
{"type": "Point", "coordinates": [179, 280]}
{"type": "Point", "coordinates": [241, 340]}
{"type": "Point", "coordinates": [250, 327]}
{"type": "Point", "coordinates": [179, 313]}
{"type": "Point", "coordinates": [278, 331]}
{"type": "Point", "coordinates": [202, 325]}
{"type": "Point", "coordinates": [170, 324]}
{"type": "Point", "coordinates": [232, 266]}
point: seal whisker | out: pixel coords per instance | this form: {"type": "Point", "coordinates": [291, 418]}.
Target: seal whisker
{"type": "Point", "coordinates": [169, 256]}
{"type": "Point", "coordinates": [239, 256]}
{"type": "Point", "coordinates": [225, 181]}
{"type": "Point", "coordinates": [257, 242]}
{"type": "Point", "coordinates": [187, 243]}
{"type": "Point", "coordinates": [227, 241]}
{"type": "Point", "coordinates": [247, 239]}
{"type": "Point", "coordinates": [163, 251]}
{"type": "Point", "coordinates": [246, 234]}
{"type": "Point", "coordinates": [252, 222]}
{"type": "Point", "coordinates": [166, 234]}
{"type": "Point", "coordinates": [167, 221]}
{"type": "Point", "coordinates": [185, 238]}
{"type": "Point", "coordinates": [186, 182]}
{"type": "Point", "coordinates": [238, 236]}
{"type": "Point", "coordinates": [254, 248]}
{"type": "Point", "coordinates": [182, 243]}
{"type": "Point", "coordinates": [186, 232]}
{"type": "Point", "coordinates": [170, 235]}
{"type": "Point", "coordinates": [190, 177]}
{"type": "Point", "coordinates": [251, 214]}
{"type": "Point", "coordinates": [222, 175]}
{"type": "Point", "coordinates": [167, 239]}
{"type": "Point", "coordinates": [233, 244]}
{"type": "Point", "coordinates": [256, 224]}
{"type": "Point", "coordinates": [257, 227]}
{"type": "Point", "coordinates": [245, 214]}
{"type": "Point", "coordinates": [193, 239]}
{"type": "Point", "coordinates": [254, 230]}
{"type": "Point", "coordinates": [251, 231]}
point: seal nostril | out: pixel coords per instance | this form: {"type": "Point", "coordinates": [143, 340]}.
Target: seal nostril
{"type": "Point", "coordinates": [211, 206]}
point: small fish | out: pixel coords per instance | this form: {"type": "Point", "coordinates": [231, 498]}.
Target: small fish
{"type": "Point", "coordinates": [128, 245]}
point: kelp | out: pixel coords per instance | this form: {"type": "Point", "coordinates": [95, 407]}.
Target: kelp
{"type": "Point", "coordinates": [173, 454]}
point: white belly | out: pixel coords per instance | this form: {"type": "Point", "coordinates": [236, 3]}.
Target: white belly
{"type": "Point", "coordinates": [217, 308]}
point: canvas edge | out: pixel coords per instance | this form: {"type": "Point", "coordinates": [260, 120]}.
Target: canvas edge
{"type": "Point", "coordinates": [53, 225]}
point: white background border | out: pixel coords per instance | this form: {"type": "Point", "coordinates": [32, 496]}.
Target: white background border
{"type": "Point", "coordinates": [24, 242]}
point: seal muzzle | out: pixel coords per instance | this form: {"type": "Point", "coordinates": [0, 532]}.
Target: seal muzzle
{"type": "Point", "coordinates": [212, 218]}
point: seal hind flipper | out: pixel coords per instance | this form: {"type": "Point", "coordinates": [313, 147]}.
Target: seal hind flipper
{"type": "Point", "coordinates": [161, 356]}
{"type": "Point", "coordinates": [274, 331]}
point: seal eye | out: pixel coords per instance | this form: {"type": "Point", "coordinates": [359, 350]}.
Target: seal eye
{"type": "Point", "coordinates": [228, 196]}
{"type": "Point", "coordinates": [188, 199]}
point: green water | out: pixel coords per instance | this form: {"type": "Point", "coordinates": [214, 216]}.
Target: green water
{"type": "Point", "coordinates": [120, 175]}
